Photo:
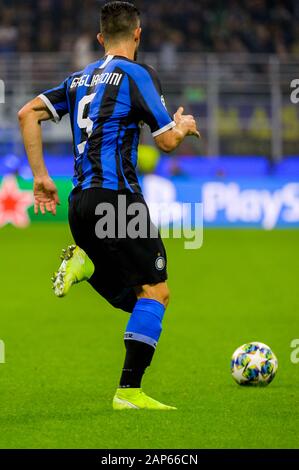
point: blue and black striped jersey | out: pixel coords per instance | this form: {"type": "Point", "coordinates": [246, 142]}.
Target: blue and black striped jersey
{"type": "Point", "coordinates": [106, 102]}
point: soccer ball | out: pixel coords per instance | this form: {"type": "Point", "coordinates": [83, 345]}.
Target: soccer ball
{"type": "Point", "coordinates": [254, 364]}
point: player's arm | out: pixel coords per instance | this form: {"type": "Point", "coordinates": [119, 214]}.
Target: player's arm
{"type": "Point", "coordinates": [52, 104]}
{"type": "Point", "coordinates": [185, 126]}
{"type": "Point", "coordinates": [30, 118]}
{"type": "Point", "coordinates": [148, 98]}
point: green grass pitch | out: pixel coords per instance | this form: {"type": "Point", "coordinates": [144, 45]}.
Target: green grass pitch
{"type": "Point", "coordinates": [63, 356]}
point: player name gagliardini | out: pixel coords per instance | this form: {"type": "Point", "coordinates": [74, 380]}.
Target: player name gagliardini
{"type": "Point", "coordinates": [87, 80]}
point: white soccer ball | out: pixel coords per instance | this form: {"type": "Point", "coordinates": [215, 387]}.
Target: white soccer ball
{"type": "Point", "coordinates": [254, 364]}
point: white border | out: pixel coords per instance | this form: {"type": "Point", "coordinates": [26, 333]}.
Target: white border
{"type": "Point", "coordinates": [107, 60]}
{"type": "Point", "coordinates": [50, 107]}
{"type": "Point", "coordinates": [171, 125]}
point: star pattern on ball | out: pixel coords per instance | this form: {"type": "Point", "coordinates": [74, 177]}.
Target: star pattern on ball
{"type": "Point", "coordinates": [14, 203]}
{"type": "Point", "coordinates": [256, 359]}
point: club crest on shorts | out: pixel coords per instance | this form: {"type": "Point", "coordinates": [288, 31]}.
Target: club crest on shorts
{"type": "Point", "coordinates": [160, 263]}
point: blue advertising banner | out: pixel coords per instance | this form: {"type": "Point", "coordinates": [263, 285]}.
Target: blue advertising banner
{"type": "Point", "coordinates": [264, 203]}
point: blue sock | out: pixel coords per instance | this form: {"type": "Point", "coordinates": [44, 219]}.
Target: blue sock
{"type": "Point", "coordinates": [145, 323]}
{"type": "Point", "coordinates": [141, 337]}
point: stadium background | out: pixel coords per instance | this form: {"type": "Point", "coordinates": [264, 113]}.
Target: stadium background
{"type": "Point", "coordinates": [231, 64]}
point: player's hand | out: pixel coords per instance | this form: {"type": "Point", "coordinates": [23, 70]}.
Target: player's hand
{"type": "Point", "coordinates": [186, 122]}
{"type": "Point", "coordinates": [45, 195]}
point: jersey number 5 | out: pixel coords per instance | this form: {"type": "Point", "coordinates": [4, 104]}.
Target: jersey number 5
{"type": "Point", "coordinates": [84, 123]}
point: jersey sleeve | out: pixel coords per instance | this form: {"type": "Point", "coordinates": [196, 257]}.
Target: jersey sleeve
{"type": "Point", "coordinates": [147, 99]}
{"type": "Point", "coordinates": [56, 101]}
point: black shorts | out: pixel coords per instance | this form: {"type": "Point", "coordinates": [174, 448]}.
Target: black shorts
{"type": "Point", "coordinates": [121, 262]}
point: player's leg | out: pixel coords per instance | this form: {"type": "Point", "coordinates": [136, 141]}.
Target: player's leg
{"type": "Point", "coordinates": [92, 259]}
{"type": "Point", "coordinates": [141, 337]}
{"type": "Point", "coordinates": [143, 332]}
{"type": "Point", "coordinates": [159, 292]}
{"type": "Point", "coordinates": [144, 265]}
{"type": "Point", "coordinates": [76, 265]}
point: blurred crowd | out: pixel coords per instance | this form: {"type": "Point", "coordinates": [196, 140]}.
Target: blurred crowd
{"type": "Point", "coordinates": [170, 26]}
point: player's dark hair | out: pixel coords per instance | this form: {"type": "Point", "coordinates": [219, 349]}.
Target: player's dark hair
{"type": "Point", "coordinates": [119, 19]}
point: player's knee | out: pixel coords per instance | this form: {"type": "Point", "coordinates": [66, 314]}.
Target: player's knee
{"type": "Point", "coordinates": [159, 292]}
{"type": "Point", "coordinates": [165, 296]}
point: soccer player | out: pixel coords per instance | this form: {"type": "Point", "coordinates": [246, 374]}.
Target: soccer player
{"type": "Point", "coordinates": [106, 103]}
